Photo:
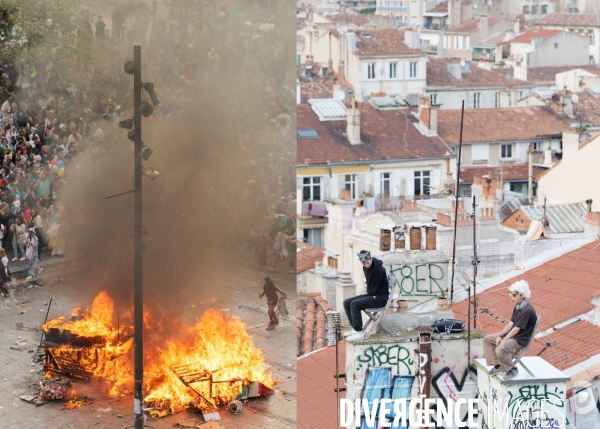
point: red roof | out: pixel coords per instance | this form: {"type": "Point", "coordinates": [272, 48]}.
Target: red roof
{"type": "Point", "coordinates": [385, 134]}
{"type": "Point", "coordinates": [561, 289]}
{"type": "Point", "coordinates": [496, 125]}
{"type": "Point", "coordinates": [472, 25]}
{"type": "Point", "coordinates": [317, 400]}
{"type": "Point", "coordinates": [382, 42]}
{"type": "Point", "coordinates": [508, 172]}
{"type": "Point", "coordinates": [534, 33]}
{"type": "Point", "coordinates": [438, 76]}
{"type": "Point", "coordinates": [307, 256]}
{"type": "Point", "coordinates": [570, 19]}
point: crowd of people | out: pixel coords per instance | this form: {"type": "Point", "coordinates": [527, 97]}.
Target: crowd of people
{"type": "Point", "coordinates": [49, 125]}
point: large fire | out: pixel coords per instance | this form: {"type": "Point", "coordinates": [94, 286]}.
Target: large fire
{"type": "Point", "coordinates": [209, 363]}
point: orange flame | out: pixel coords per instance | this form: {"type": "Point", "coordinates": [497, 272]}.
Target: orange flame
{"type": "Point", "coordinates": [207, 363]}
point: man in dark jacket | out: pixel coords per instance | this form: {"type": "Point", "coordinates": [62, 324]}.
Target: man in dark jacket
{"type": "Point", "coordinates": [376, 296]}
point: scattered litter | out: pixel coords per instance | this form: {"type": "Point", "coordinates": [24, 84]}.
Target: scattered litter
{"type": "Point", "coordinates": [22, 312]}
{"type": "Point", "coordinates": [55, 388]}
{"type": "Point", "coordinates": [76, 403]}
{"type": "Point", "coordinates": [120, 416]}
{"type": "Point", "coordinates": [186, 423]}
{"type": "Point", "coordinates": [21, 306]}
{"type": "Point", "coordinates": [42, 311]}
{"type": "Point", "coordinates": [30, 286]}
{"type": "Point", "coordinates": [225, 309]}
{"type": "Point", "coordinates": [34, 399]}
{"type": "Point", "coordinates": [21, 342]}
{"type": "Point", "coordinates": [104, 410]}
{"type": "Point", "coordinates": [193, 306]}
{"type": "Point", "coordinates": [159, 413]}
{"type": "Point", "coordinates": [211, 414]}
{"type": "Point", "coordinates": [16, 348]}
{"type": "Point", "coordinates": [235, 407]}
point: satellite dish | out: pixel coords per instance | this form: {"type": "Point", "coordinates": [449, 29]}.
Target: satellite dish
{"type": "Point", "coordinates": [462, 63]}
{"type": "Point", "coordinates": [575, 98]}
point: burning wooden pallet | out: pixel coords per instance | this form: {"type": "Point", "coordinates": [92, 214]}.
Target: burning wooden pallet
{"type": "Point", "coordinates": [66, 365]}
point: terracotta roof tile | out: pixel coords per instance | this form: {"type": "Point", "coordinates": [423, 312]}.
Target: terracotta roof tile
{"type": "Point", "coordinates": [510, 172]}
{"type": "Point", "coordinates": [560, 292]}
{"type": "Point", "coordinates": [311, 322]}
{"type": "Point", "coordinates": [570, 19]}
{"type": "Point", "coordinates": [385, 134]}
{"type": "Point", "coordinates": [438, 76]}
{"type": "Point", "coordinates": [546, 75]}
{"type": "Point", "coordinates": [317, 401]}
{"type": "Point", "coordinates": [382, 42]}
{"type": "Point", "coordinates": [506, 124]}
{"type": "Point", "coordinates": [307, 256]}
{"type": "Point", "coordinates": [346, 18]}
{"type": "Point", "coordinates": [587, 108]}
{"type": "Point", "coordinates": [534, 33]}
{"type": "Point", "coordinates": [472, 25]}
{"type": "Point", "coordinates": [441, 7]}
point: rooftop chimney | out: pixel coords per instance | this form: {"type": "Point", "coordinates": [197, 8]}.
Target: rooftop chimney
{"type": "Point", "coordinates": [353, 124]}
{"type": "Point", "coordinates": [428, 114]}
{"type": "Point", "coordinates": [455, 69]}
{"type": "Point", "coordinates": [483, 27]}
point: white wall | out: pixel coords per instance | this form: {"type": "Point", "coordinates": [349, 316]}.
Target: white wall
{"type": "Point", "coordinates": [575, 178]}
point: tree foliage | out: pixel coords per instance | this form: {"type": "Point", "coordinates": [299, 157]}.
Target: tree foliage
{"type": "Point", "coordinates": [58, 33]}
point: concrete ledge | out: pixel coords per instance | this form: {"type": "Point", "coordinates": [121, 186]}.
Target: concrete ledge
{"type": "Point", "coordinates": [408, 322]}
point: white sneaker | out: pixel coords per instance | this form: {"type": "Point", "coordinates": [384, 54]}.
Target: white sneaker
{"type": "Point", "coordinates": [28, 278]}
{"type": "Point", "coordinates": [14, 259]}
{"type": "Point", "coordinates": [358, 336]}
{"type": "Point", "coordinates": [348, 333]}
{"type": "Point", "coordinates": [23, 258]}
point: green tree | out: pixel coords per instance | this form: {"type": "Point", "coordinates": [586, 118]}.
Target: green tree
{"type": "Point", "coordinates": [60, 33]}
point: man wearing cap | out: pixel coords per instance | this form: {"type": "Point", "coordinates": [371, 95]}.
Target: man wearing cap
{"type": "Point", "coordinates": [498, 348]}
{"type": "Point", "coordinates": [376, 296]}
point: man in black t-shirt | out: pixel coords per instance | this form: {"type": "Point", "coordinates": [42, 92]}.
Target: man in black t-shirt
{"type": "Point", "coordinates": [498, 348]}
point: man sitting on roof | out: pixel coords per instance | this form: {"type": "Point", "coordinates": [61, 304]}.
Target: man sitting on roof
{"type": "Point", "coordinates": [499, 348]}
{"type": "Point", "coordinates": [376, 296]}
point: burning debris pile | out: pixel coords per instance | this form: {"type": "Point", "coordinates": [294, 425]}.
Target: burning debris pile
{"type": "Point", "coordinates": [207, 364]}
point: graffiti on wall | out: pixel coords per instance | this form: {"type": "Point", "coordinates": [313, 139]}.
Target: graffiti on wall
{"type": "Point", "coordinates": [393, 355]}
{"type": "Point", "coordinates": [420, 279]}
{"type": "Point", "coordinates": [381, 384]}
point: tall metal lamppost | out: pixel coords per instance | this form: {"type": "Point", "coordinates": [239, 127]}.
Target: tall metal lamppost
{"type": "Point", "coordinates": [140, 108]}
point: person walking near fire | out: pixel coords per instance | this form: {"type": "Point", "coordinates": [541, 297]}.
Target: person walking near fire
{"type": "Point", "coordinates": [32, 254]}
{"type": "Point", "coordinates": [499, 348]}
{"type": "Point", "coordinates": [270, 290]}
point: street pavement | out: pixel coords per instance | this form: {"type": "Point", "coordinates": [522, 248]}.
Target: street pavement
{"type": "Point", "coordinates": [66, 282]}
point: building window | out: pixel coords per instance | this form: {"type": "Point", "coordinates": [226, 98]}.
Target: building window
{"type": "Point", "coordinates": [413, 70]}
{"type": "Point", "coordinates": [311, 190]}
{"type": "Point", "coordinates": [497, 100]}
{"type": "Point", "coordinates": [385, 184]}
{"type": "Point", "coordinates": [506, 151]}
{"type": "Point", "coordinates": [534, 9]}
{"type": "Point", "coordinates": [350, 184]}
{"type": "Point", "coordinates": [544, 9]}
{"type": "Point", "coordinates": [591, 37]}
{"type": "Point", "coordinates": [422, 182]}
{"type": "Point", "coordinates": [314, 236]}
{"type": "Point", "coordinates": [526, 10]}
{"type": "Point", "coordinates": [433, 98]}
{"type": "Point", "coordinates": [393, 70]}
{"type": "Point", "coordinates": [370, 70]}
{"type": "Point", "coordinates": [476, 100]}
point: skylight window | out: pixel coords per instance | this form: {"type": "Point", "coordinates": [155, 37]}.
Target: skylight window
{"type": "Point", "coordinates": [307, 133]}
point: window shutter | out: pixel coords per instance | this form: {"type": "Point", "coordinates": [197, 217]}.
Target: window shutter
{"type": "Point", "coordinates": [376, 183]}
{"type": "Point", "coordinates": [365, 71]}
{"type": "Point", "coordinates": [410, 185]}
{"type": "Point", "coordinates": [480, 152]}
{"type": "Point", "coordinates": [326, 182]}
{"type": "Point", "coordinates": [440, 98]}
{"type": "Point", "coordinates": [436, 181]}
{"type": "Point", "coordinates": [492, 99]}
{"type": "Point", "coordinates": [335, 187]}
{"type": "Point", "coordinates": [483, 100]}
{"type": "Point", "coordinates": [455, 100]}
{"type": "Point", "coordinates": [470, 101]}
{"type": "Point", "coordinates": [360, 179]}
{"type": "Point", "coordinates": [395, 190]}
